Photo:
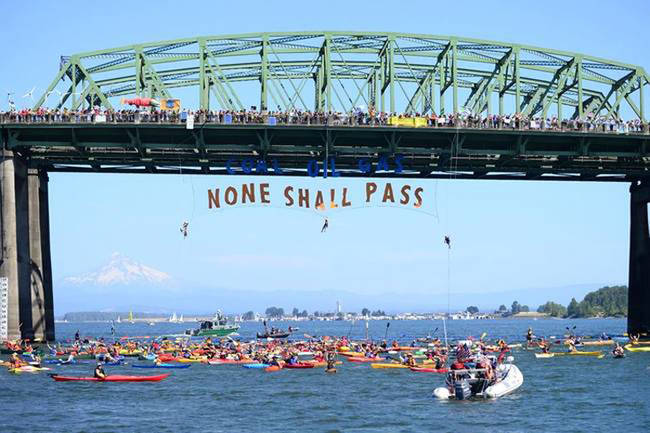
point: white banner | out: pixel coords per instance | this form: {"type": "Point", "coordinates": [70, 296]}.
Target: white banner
{"type": "Point", "coordinates": [4, 308]}
{"type": "Point", "coordinates": [189, 123]}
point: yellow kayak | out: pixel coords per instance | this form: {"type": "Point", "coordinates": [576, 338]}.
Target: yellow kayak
{"type": "Point", "coordinates": [385, 365]}
{"type": "Point", "coordinates": [349, 353]}
{"type": "Point", "coordinates": [635, 348]}
{"type": "Point", "coordinates": [191, 359]}
{"type": "Point", "coordinates": [133, 353]}
{"type": "Point", "coordinates": [28, 368]}
{"type": "Point", "coordinates": [578, 353]}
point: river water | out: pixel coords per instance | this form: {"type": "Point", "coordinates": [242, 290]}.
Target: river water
{"type": "Point", "coordinates": [565, 394]}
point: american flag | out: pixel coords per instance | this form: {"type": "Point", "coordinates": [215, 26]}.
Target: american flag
{"type": "Point", "coordinates": [463, 352]}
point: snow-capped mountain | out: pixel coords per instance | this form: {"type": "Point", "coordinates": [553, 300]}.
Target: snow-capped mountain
{"type": "Point", "coordinates": [121, 270]}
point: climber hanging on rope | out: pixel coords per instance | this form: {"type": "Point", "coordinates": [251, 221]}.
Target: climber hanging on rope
{"type": "Point", "coordinates": [448, 242]}
{"type": "Point", "coordinates": [184, 228]}
{"type": "Point", "coordinates": [325, 225]}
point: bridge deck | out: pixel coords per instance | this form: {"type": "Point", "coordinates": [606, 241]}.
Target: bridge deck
{"type": "Point", "coordinates": [422, 152]}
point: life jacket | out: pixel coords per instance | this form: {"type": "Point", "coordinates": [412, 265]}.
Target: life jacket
{"type": "Point", "coordinates": [457, 366]}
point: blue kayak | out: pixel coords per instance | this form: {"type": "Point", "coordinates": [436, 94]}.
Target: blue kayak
{"type": "Point", "coordinates": [255, 365]}
{"type": "Point", "coordinates": [163, 366]}
{"type": "Point", "coordinates": [59, 362]}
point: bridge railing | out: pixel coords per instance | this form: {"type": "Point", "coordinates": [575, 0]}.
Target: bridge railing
{"type": "Point", "coordinates": [339, 119]}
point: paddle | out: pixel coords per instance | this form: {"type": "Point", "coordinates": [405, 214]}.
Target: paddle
{"type": "Point", "coordinates": [350, 330]}
{"type": "Point", "coordinates": [386, 333]}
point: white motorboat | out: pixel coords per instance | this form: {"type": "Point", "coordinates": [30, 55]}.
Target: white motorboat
{"type": "Point", "coordinates": [472, 382]}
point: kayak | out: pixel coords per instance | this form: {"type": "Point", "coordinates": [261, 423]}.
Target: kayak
{"type": "Point", "coordinates": [162, 366]}
{"type": "Point", "coordinates": [320, 363]}
{"type": "Point", "coordinates": [273, 368]}
{"type": "Point", "coordinates": [353, 354]}
{"type": "Point", "coordinates": [229, 361]}
{"type": "Point", "coordinates": [112, 378]}
{"type": "Point", "coordinates": [553, 354]}
{"type": "Point", "coordinates": [166, 357]}
{"type": "Point", "coordinates": [385, 365]}
{"type": "Point", "coordinates": [632, 348]}
{"type": "Point", "coordinates": [125, 352]}
{"type": "Point", "coordinates": [596, 343]}
{"type": "Point", "coordinates": [364, 359]}
{"type": "Point", "coordinates": [259, 365]}
{"type": "Point", "coordinates": [404, 348]}
{"type": "Point", "coordinates": [578, 353]}
{"type": "Point", "coordinates": [28, 369]}
{"type": "Point", "coordinates": [430, 370]}
{"type": "Point", "coordinates": [190, 360]}
{"type": "Point", "coordinates": [299, 365]}
{"type": "Point", "coordinates": [59, 361]}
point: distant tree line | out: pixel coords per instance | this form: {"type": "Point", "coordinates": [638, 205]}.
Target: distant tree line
{"type": "Point", "coordinates": [278, 312]}
{"type": "Point", "coordinates": [607, 301]}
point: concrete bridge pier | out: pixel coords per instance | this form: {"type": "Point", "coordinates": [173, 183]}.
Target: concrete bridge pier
{"type": "Point", "coordinates": [638, 319]}
{"type": "Point", "coordinates": [40, 262]}
{"type": "Point", "coordinates": [25, 256]}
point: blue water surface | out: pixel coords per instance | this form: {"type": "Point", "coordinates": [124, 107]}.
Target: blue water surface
{"type": "Point", "coordinates": [564, 394]}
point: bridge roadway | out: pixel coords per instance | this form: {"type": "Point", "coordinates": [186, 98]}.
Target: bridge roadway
{"type": "Point", "coordinates": [425, 152]}
{"type": "Point", "coordinates": [30, 151]}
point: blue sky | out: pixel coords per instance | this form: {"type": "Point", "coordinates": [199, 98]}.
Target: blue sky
{"type": "Point", "coordinates": [506, 235]}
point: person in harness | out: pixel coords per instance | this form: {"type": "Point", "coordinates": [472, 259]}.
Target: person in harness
{"type": "Point", "coordinates": [325, 226]}
{"type": "Point", "coordinates": [184, 228]}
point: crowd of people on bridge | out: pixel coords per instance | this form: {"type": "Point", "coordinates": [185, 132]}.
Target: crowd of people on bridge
{"type": "Point", "coordinates": [369, 118]}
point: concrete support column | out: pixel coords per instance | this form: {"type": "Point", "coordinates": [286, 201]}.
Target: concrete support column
{"type": "Point", "coordinates": [638, 319]}
{"type": "Point", "coordinates": [37, 278]}
{"type": "Point", "coordinates": [9, 253]}
{"type": "Point", "coordinates": [44, 208]}
{"type": "Point", "coordinates": [22, 244]}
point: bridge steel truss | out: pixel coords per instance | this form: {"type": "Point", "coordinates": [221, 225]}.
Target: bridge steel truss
{"type": "Point", "coordinates": [324, 71]}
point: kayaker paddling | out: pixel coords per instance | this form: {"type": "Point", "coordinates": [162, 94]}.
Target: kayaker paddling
{"type": "Point", "coordinates": [99, 372]}
{"type": "Point", "coordinates": [529, 336]}
{"type": "Point", "coordinates": [618, 351]}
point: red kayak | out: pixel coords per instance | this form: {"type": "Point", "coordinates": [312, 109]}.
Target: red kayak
{"type": "Point", "coordinates": [430, 370]}
{"type": "Point", "coordinates": [299, 365]}
{"type": "Point", "coordinates": [111, 378]}
{"type": "Point", "coordinates": [364, 359]}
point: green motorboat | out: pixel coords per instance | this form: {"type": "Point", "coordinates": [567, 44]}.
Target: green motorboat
{"type": "Point", "coordinates": [217, 327]}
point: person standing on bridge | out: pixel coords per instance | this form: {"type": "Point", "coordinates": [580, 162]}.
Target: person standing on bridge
{"type": "Point", "coordinates": [184, 228]}
{"type": "Point", "coordinates": [325, 226]}
{"type": "Point", "coordinates": [448, 242]}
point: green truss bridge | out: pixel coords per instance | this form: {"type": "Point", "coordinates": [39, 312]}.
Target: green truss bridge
{"type": "Point", "coordinates": [322, 72]}
{"type": "Point", "coordinates": [326, 71]}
